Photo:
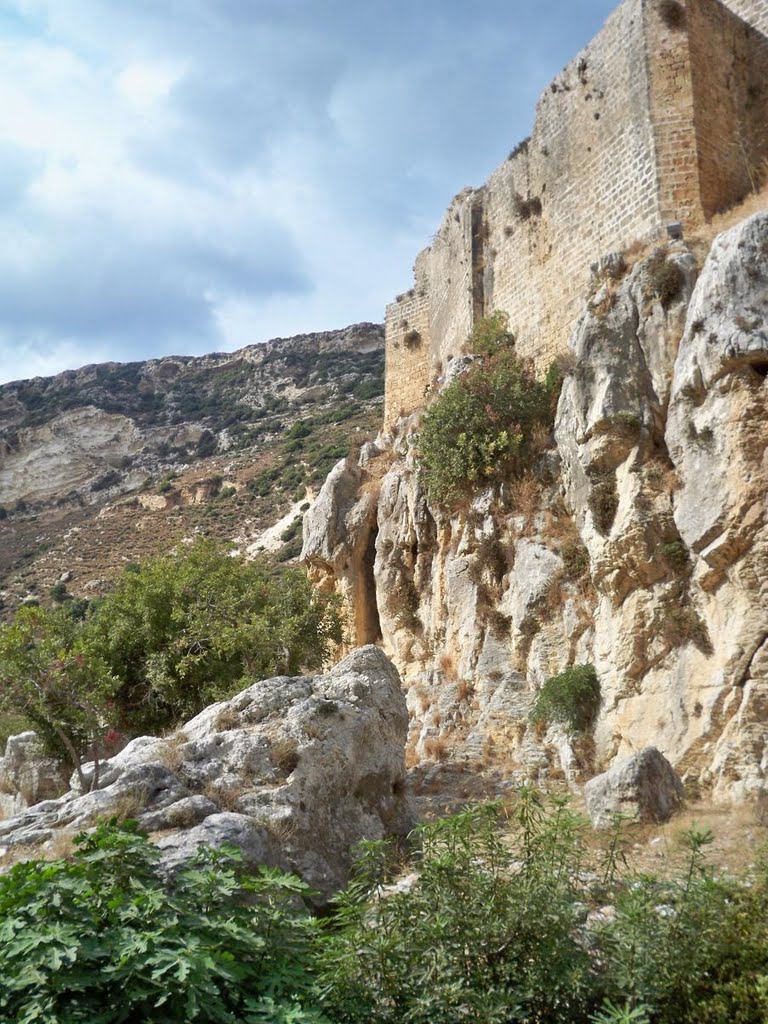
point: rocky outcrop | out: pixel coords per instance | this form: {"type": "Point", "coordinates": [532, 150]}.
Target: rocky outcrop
{"type": "Point", "coordinates": [637, 543]}
{"type": "Point", "coordinates": [27, 774]}
{"type": "Point", "coordinates": [295, 771]}
{"type": "Point", "coordinates": [644, 787]}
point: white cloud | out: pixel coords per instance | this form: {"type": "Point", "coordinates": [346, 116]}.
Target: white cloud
{"type": "Point", "coordinates": [200, 174]}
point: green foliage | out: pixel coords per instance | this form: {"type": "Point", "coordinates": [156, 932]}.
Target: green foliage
{"type": "Point", "coordinates": [676, 553]}
{"type": "Point", "coordinates": [102, 940]}
{"type": "Point", "coordinates": [58, 593]}
{"type": "Point", "coordinates": [479, 428]}
{"type": "Point", "coordinates": [53, 675]}
{"type": "Point", "coordinates": [692, 950]}
{"type": "Point", "coordinates": [492, 928]}
{"type": "Point", "coordinates": [485, 933]}
{"type": "Point", "coordinates": [571, 698]}
{"type": "Point", "coordinates": [194, 627]}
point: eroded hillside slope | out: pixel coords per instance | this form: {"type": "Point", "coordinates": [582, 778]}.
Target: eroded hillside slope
{"type": "Point", "coordinates": [103, 465]}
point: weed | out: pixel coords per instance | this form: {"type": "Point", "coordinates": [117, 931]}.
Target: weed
{"type": "Point", "coordinates": [284, 754]}
{"type": "Point", "coordinates": [603, 500]}
{"type": "Point", "coordinates": [665, 278]}
{"type": "Point", "coordinates": [672, 14]}
{"type": "Point", "coordinates": [436, 747]}
{"type": "Point", "coordinates": [226, 719]}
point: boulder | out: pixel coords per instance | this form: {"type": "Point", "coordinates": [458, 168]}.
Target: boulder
{"type": "Point", "coordinates": [27, 775]}
{"type": "Point", "coordinates": [645, 787]}
{"type": "Point", "coordinates": [296, 771]}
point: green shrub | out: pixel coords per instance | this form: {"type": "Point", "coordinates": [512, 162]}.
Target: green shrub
{"type": "Point", "coordinates": [571, 698]}
{"type": "Point", "coordinates": [193, 627]}
{"type": "Point", "coordinates": [479, 428]}
{"type": "Point", "coordinates": [103, 939]}
{"type": "Point", "coordinates": [485, 933]}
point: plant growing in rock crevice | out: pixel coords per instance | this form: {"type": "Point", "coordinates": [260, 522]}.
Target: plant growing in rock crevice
{"type": "Point", "coordinates": [603, 500]}
{"type": "Point", "coordinates": [571, 699]}
{"type": "Point", "coordinates": [480, 428]}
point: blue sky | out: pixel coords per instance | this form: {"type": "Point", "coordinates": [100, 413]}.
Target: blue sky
{"type": "Point", "coordinates": [195, 175]}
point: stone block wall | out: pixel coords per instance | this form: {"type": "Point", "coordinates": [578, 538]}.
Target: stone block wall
{"type": "Point", "coordinates": [755, 12]}
{"type": "Point", "coordinates": [729, 68]}
{"type": "Point", "coordinates": [654, 121]}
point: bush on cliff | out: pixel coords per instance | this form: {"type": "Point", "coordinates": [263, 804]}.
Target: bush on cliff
{"type": "Point", "coordinates": [571, 699]}
{"type": "Point", "coordinates": [482, 427]}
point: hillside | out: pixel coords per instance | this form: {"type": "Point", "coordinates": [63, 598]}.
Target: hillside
{"type": "Point", "coordinates": [105, 464]}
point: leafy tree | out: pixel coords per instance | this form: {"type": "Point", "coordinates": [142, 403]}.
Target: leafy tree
{"type": "Point", "coordinates": [480, 427]}
{"type": "Point", "coordinates": [51, 674]}
{"type": "Point", "coordinates": [191, 628]}
{"type": "Point", "coordinates": [104, 940]}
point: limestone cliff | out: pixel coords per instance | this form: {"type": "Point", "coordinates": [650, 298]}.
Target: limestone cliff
{"type": "Point", "coordinates": [639, 544]}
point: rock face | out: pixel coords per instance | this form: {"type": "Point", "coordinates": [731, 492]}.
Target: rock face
{"type": "Point", "coordinates": [296, 771]}
{"type": "Point", "coordinates": [644, 787]}
{"type": "Point", "coordinates": [638, 543]}
{"type": "Point", "coordinates": [27, 776]}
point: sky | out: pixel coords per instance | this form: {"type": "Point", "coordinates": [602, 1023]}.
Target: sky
{"type": "Point", "coordinates": [188, 176]}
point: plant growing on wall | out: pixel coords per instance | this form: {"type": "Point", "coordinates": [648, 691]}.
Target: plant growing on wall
{"type": "Point", "coordinates": [480, 428]}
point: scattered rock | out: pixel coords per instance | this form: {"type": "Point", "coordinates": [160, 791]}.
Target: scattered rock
{"type": "Point", "coordinates": [645, 787]}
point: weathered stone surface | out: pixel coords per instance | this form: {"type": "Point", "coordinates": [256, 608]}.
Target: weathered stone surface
{"type": "Point", "coordinates": [299, 770]}
{"type": "Point", "coordinates": [27, 776]}
{"type": "Point", "coordinates": [645, 787]}
{"type": "Point", "coordinates": [644, 552]}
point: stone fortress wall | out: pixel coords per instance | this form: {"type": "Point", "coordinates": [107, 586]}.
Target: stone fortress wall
{"type": "Point", "coordinates": [657, 120]}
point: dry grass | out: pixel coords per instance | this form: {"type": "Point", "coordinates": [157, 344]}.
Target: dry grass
{"type": "Point", "coordinates": [739, 839]}
{"type": "Point", "coordinates": [448, 666]}
{"type": "Point", "coordinates": [128, 806]}
{"type": "Point", "coordinates": [284, 754]}
{"type": "Point", "coordinates": [171, 754]}
{"type": "Point", "coordinates": [424, 700]}
{"type": "Point", "coordinates": [60, 846]}
{"type": "Point", "coordinates": [226, 719]}
{"type": "Point", "coordinates": [541, 437]}
{"type": "Point", "coordinates": [525, 496]}
{"type": "Point", "coordinates": [436, 747]}
{"type": "Point", "coordinates": [465, 690]}
{"type": "Point", "coordinates": [227, 798]}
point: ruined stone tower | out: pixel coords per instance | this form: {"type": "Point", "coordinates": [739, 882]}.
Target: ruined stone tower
{"type": "Point", "coordinates": [662, 117]}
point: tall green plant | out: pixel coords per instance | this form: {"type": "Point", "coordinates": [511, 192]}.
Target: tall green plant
{"type": "Point", "coordinates": [53, 676]}
{"type": "Point", "coordinates": [191, 628]}
{"type": "Point", "coordinates": [473, 938]}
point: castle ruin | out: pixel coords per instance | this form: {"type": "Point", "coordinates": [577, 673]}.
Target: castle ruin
{"type": "Point", "coordinates": [662, 118]}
